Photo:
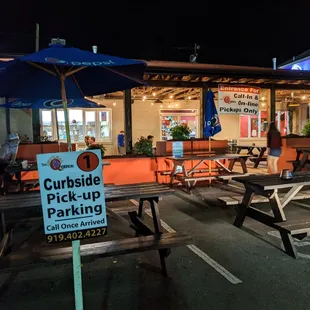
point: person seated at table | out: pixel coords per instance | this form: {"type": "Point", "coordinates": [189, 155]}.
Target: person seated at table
{"type": "Point", "coordinates": [274, 145]}
{"type": "Point", "coordinates": [8, 152]}
{"type": "Point", "coordinates": [150, 138]}
{"type": "Point", "coordinates": [91, 141]}
{"type": "Point", "coordinates": [86, 140]}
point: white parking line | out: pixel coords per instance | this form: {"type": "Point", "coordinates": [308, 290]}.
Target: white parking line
{"type": "Point", "coordinates": [219, 268]}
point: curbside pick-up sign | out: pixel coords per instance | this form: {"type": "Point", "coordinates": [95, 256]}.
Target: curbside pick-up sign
{"type": "Point", "coordinates": [72, 195]}
{"type": "Point", "coordinates": [238, 99]}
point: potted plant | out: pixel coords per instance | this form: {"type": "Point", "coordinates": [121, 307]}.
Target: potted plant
{"type": "Point", "coordinates": [143, 147]}
{"type": "Point", "coordinates": [306, 129]}
{"type": "Point", "coordinates": [180, 132]}
{"type": "Point", "coordinates": [96, 147]}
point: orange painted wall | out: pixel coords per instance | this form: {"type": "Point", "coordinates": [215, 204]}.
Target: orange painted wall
{"type": "Point", "coordinates": [132, 170]}
{"type": "Point", "coordinates": [289, 151]}
{"type": "Point", "coordinates": [30, 151]}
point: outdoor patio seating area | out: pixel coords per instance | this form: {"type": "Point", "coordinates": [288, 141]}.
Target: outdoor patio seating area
{"type": "Point", "coordinates": [223, 261]}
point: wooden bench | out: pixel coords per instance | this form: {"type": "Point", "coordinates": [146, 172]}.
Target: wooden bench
{"type": "Point", "coordinates": [298, 229]}
{"type": "Point", "coordinates": [253, 159]}
{"type": "Point", "coordinates": [235, 200]}
{"type": "Point", "coordinates": [25, 260]}
{"type": "Point", "coordinates": [148, 195]}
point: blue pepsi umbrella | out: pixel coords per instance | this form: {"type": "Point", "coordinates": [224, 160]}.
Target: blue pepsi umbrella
{"type": "Point", "coordinates": [62, 72]}
{"type": "Point", "coordinates": [50, 104]}
{"type": "Point", "coordinates": [212, 124]}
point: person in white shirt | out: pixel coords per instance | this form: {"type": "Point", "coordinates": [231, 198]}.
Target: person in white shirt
{"type": "Point", "coordinates": [8, 152]}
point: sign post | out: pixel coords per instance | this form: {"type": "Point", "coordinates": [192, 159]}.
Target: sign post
{"type": "Point", "coordinates": [73, 203]}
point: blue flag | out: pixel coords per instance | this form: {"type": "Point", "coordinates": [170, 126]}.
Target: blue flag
{"type": "Point", "coordinates": [212, 124]}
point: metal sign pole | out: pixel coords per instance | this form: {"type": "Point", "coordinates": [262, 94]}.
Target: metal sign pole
{"type": "Point", "coordinates": [76, 256]}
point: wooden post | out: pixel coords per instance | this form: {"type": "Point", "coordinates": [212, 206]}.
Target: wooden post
{"type": "Point", "coordinates": [36, 130]}
{"type": "Point", "coordinates": [7, 119]}
{"type": "Point", "coordinates": [203, 94]}
{"type": "Point", "coordinates": [272, 104]}
{"type": "Point", "coordinates": [128, 121]}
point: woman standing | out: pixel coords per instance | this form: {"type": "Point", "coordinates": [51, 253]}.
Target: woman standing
{"type": "Point", "coordinates": [274, 144]}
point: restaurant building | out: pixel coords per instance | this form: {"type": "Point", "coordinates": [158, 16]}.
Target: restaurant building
{"type": "Point", "coordinates": [174, 94]}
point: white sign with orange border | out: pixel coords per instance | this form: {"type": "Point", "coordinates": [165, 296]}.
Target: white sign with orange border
{"type": "Point", "coordinates": [238, 99]}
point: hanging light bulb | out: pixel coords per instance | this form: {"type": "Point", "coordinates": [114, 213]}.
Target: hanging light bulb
{"type": "Point", "coordinates": [189, 97]}
{"type": "Point", "coordinates": [114, 103]}
{"type": "Point", "coordinates": [154, 94]}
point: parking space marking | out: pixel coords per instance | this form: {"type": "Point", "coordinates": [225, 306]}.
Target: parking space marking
{"type": "Point", "coordinates": [212, 263]}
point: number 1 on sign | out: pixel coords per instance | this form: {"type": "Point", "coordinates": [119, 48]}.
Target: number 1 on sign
{"type": "Point", "coordinates": [87, 159]}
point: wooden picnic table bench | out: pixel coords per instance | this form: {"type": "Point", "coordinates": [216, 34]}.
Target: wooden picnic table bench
{"type": "Point", "coordinates": [268, 186]}
{"type": "Point", "coordinates": [302, 160]}
{"type": "Point", "coordinates": [20, 172]}
{"type": "Point", "coordinates": [256, 158]}
{"type": "Point", "coordinates": [188, 177]}
{"type": "Point", "coordinates": [147, 238]}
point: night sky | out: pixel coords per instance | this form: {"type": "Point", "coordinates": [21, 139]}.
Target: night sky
{"type": "Point", "coordinates": [250, 33]}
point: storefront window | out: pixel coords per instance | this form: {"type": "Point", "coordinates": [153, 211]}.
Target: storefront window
{"type": "Point", "coordinates": [95, 122]}
{"type": "Point", "coordinates": [171, 118]}
{"type": "Point", "coordinates": [47, 125]}
{"type": "Point", "coordinates": [90, 123]}
{"type": "Point", "coordinates": [257, 126]}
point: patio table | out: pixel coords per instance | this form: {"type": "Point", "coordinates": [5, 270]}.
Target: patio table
{"type": "Point", "coordinates": [222, 172]}
{"type": "Point", "coordinates": [147, 238]}
{"type": "Point", "coordinates": [250, 148]}
{"type": "Point", "coordinates": [269, 186]}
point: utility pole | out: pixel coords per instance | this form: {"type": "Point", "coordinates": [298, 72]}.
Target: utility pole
{"type": "Point", "coordinates": [36, 130]}
{"type": "Point", "coordinates": [37, 37]}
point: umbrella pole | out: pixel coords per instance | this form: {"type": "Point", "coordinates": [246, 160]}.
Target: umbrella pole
{"type": "Point", "coordinates": [210, 162]}
{"type": "Point", "coordinates": [65, 107]}
{"type": "Point", "coordinates": [57, 129]}
{"type": "Point", "coordinates": [76, 256]}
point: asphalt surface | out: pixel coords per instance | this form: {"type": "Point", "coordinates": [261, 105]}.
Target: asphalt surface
{"type": "Point", "coordinates": [268, 278]}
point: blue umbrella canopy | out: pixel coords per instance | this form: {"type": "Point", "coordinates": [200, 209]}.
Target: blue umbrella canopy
{"type": "Point", "coordinates": [84, 73]}
{"type": "Point", "coordinates": [62, 72]}
{"type": "Point", "coordinates": [212, 124]}
{"type": "Point", "coordinates": [50, 104]}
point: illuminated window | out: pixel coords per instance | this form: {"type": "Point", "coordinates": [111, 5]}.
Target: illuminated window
{"type": "Point", "coordinates": [257, 126]}
{"type": "Point", "coordinates": [82, 122]}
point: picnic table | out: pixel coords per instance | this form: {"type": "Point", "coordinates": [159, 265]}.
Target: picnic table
{"type": "Point", "coordinates": [302, 159]}
{"type": "Point", "coordinates": [269, 186]}
{"type": "Point", "coordinates": [147, 238]}
{"type": "Point", "coordinates": [222, 172]}
{"type": "Point", "coordinates": [256, 158]}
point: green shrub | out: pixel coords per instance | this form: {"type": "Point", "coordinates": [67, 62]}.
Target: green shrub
{"type": "Point", "coordinates": [306, 129]}
{"type": "Point", "coordinates": [180, 132]}
{"type": "Point", "coordinates": [143, 147]}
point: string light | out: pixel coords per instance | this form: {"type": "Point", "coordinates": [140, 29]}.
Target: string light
{"type": "Point", "coordinates": [114, 103]}
{"type": "Point", "coordinates": [171, 96]}
{"type": "Point", "coordinates": [154, 94]}
{"type": "Point", "coordinates": [303, 97]}
{"type": "Point", "coordinates": [189, 97]}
